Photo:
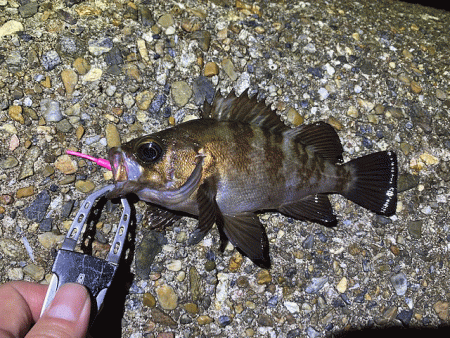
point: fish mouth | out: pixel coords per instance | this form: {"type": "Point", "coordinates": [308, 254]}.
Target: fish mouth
{"type": "Point", "coordinates": [119, 166]}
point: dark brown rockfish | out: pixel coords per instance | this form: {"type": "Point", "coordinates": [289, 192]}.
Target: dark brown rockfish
{"type": "Point", "coordinates": [240, 158]}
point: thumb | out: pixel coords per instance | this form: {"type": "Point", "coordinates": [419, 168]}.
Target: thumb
{"type": "Point", "coordinates": [67, 316]}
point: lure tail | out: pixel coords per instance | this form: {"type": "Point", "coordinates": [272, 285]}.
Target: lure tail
{"type": "Point", "coordinates": [100, 161]}
{"type": "Point", "coordinates": [374, 183]}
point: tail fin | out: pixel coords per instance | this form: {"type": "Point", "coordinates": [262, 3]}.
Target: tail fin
{"type": "Point", "coordinates": [374, 184]}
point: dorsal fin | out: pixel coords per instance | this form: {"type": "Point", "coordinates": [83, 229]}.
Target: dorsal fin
{"type": "Point", "coordinates": [243, 109]}
{"type": "Point", "coordinates": [320, 138]}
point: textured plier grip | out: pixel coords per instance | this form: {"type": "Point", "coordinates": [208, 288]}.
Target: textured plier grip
{"type": "Point", "coordinates": [73, 267]}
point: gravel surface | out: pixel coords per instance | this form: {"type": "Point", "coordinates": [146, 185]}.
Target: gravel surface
{"type": "Point", "coordinates": [87, 75]}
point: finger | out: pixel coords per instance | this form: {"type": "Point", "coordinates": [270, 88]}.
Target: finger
{"type": "Point", "coordinates": [20, 307]}
{"type": "Point", "coordinates": [67, 315]}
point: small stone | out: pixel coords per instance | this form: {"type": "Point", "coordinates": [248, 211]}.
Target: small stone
{"type": "Point", "coordinates": [441, 309]}
{"type": "Point", "coordinates": [149, 300]}
{"type": "Point", "coordinates": [9, 162]}
{"type": "Point", "coordinates": [400, 283]}
{"type": "Point", "coordinates": [6, 199]}
{"type": "Point", "coordinates": [224, 321]}
{"type": "Point", "coordinates": [415, 87]}
{"type": "Point", "coordinates": [112, 136]}
{"type": "Point", "coordinates": [50, 110]}
{"type": "Point", "coordinates": [94, 74]}
{"type": "Point", "coordinates": [14, 143]}
{"type": "Point", "coordinates": [367, 105]}
{"type": "Point", "coordinates": [181, 93]}
{"type": "Point", "coordinates": [429, 159]}
{"type": "Point", "coordinates": [335, 123]}
{"type": "Point", "coordinates": [46, 225]}
{"type": "Point", "coordinates": [84, 186]}
{"type": "Point", "coordinates": [160, 317]}
{"type": "Point", "coordinates": [167, 297]}
{"type": "Point", "coordinates": [70, 79]}
{"type": "Point", "coordinates": [10, 27]}
{"type": "Point", "coordinates": [352, 112]}
{"type": "Point", "coordinates": [15, 112]}
{"type": "Point", "coordinates": [264, 277]}
{"type": "Point", "coordinates": [235, 262]}
{"type": "Point", "coordinates": [211, 69]}
{"type": "Point", "coordinates": [265, 320]}
{"type": "Point", "coordinates": [415, 229]}
{"type": "Point", "coordinates": [34, 271]}
{"type": "Point", "coordinates": [204, 320]}
{"type": "Point", "coordinates": [66, 164]}
{"type": "Point", "coordinates": [50, 60]}
{"type": "Point", "coordinates": [25, 192]}
{"type": "Point", "coordinates": [11, 248]}
{"type": "Point", "coordinates": [28, 10]}
{"type": "Point", "coordinates": [228, 68]}
{"type": "Point", "coordinates": [143, 99]}
{"type": "Point", "coordinates": [405, 316]}
{"type": "Point", "coordinates": [157, 103]}
{"type": "Point", "coordinates": [28, 161]}
{"type": "Point", "coordinates": [166, 21]}
{"type": "Point", "coordinates": [292, 307]}
{"type": "Point", "coordinates": [191, 308]}
{"type": "Point", "coordinates": [174, 265]}
{"type": "Point", "coordinates": [316, 284]}
{"type": "Point", "coordinates": [81, 66]}
{"type": "Point", "coordinates": [342, 285]}
{"type": "Point", "coordinates": [203, 90]}
{"type": "Point", "coordinates": [195, 284]}
{"type": "Point", "coordinates": [441, 95]}
{"type": "Point", "coordinates": [294, 117]}
{"type": "Point", "coordinates": [79, 132]}
{"type": "Point", "coordinates": [38, 208]}
{"type": "Point", "coordinates": [100, 46]}
{"type": "Point", "coordinates": [203, 39]}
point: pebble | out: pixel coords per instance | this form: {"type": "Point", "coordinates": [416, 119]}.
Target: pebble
{"type": "Point", "coordinates": [157, 103]}
{"type": "Point", "coordinates": [167, 297]}
{"type": "Point", "coordinates": [415, 229]}
{"type": "Point", "coordinates": [50, 60]}
{"type": "Point", "coordinates": [144, 98]}
{"type": "Point", "coordinates": [50, 240]}
{"type": "Point", "coordinates": [192, 308]}
{"type": "Point", "coordinates": [352, 112]}
{"type": "Point", "coordinates": [11, 248]}
{"type": "Point", "coordinates": [166, 21]}
{"type": "Point", "coordinates": [15, 112]}
{"type": "Point", "coordinates": [146, 252]}
{"type": "Point", "coordinates": [294, 117]}
{"type": "Point", "coordinates": [367, 105]}
{"type": "Point", "coordinates": [323, 93]}
{"type": "Point", "coordinates": [37, 210]}
{"type": "Point", "coordinates": [235, 262]}
{"type": "Point", "coordinates": [13, 143]}
{"type": "Point", "coordinates": [203, 90]}
{"type": "Point", "coordinates": [400, 283]}
{"type": "Point", "coordinates": [224, 321]}
{"type": "Point", "coordinates": [85, 186]}
{"type": "Point", "coordinates": [441, 95]}
{"type": "Point", "coordinates": [112, 136]}
{"type": "Point", "coordinates": [81, 66]}
{"type": "Point", "coordinates": [94, 74]}
{"type": "Point", "coordinates": [25, 192]}
{"type": "Point", "coordinates": [149, 300]}
{"type": "Point", "coordinates": [70, 79]}
{"type": "Point", "coordinates": [292, 307]}
{"type": "Point", "coordinates": [204, 320]}
{"type": "Point", "coordinates": [203, 39]}
{"type": "Point", "coordinates": [160, 317]}
{"type": "Point", "coordinates": [66, 164]}
{"type": "Point", "coordinates": [441, 309]}
{"type": "Point", "coordinates": [181, 92]}
{"type": "Point", "coordinates": [316, 284]}
{"type": "Point", "coordinates": [28, 161]}
{"type": "Point", "coordinates": [100, 46]}
{"type": "Point", "coordinates": [195, 284]}
{"type": "Point", "coordinates": [34, 271]}
{"type": "Point", "coordinates": [429, 159]}
{"type": "Point", "coordinates": [28, 10]}
{"type": "Point", "coordinates": [264, 277]}
{"type": "Point", "coordinates": [174, 265]}
{"type": "Point", "coordinates": [6, 199]}
{"type": "Point", "coordinates": [415, 87]}
{"type": "Point", "coordinates": [242, 83]}
{"type": "Point", "coordinates": [10, 27]}
{"type": "Point", "coordinates": [50, 110]}
{"type": "Point", "coordinates": [228, 68]}
{"type": "Point", "coordinates": [342, 285]}
{"type": "Point", "coordinates": [211, 69]}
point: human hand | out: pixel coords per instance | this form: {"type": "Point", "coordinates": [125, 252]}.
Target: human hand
{"type": "Point", "coordinates": [20, 306]}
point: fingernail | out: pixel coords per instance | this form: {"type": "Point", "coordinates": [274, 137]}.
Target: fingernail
{"type": "Point", "coordinates": [69, 302]}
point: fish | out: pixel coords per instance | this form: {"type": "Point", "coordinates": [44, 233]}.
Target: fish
{"type": "Point", "coordinates": [240, 159]}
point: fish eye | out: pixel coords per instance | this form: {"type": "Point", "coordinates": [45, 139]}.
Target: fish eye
{"type": "Point", "coordinates": [149, 152]}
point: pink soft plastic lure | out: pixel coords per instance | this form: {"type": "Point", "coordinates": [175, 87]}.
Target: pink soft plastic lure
{"type": "Point", "coordinates": [100, 161]}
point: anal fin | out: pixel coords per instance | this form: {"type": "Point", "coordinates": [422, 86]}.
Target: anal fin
{"type": "Point", "coordinates": [316, 208]}
{"type": "Point", "coordinates": [248, 236]}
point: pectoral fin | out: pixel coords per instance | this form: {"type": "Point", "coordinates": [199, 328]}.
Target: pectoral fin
{"type": "Point", "coordinates": [248, 235]}
{"type": "Point", "coordinates": [207, 211]}
{"type": "Point", "coordinates": [315, 208]}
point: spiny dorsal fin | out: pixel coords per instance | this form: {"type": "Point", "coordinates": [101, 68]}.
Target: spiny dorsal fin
{"type": "Point", "coordinates": [243, 109]}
